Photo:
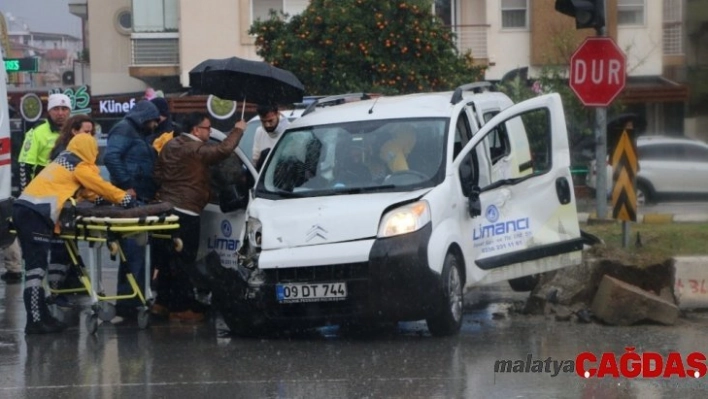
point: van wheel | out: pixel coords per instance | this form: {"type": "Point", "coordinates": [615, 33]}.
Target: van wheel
{"type": "Point", "coordinates": [524, 284]}
{"type": "Point", "coordinates": [447, 320]}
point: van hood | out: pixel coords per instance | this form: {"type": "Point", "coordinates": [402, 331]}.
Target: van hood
{"type": "Point", "coordinates": [323, 220]}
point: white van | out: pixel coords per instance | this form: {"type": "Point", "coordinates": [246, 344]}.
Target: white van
{"type": "Point", "coordinates": [390, 209]}
{"type": "Point", "coordinates": [5, 165]}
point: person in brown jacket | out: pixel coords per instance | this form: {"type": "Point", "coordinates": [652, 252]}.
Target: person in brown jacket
{"type": "Point", "coordinates": [183, 173]}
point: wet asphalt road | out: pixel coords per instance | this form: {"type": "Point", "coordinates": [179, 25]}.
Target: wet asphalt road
{"type": "Point", "coordinates": [171, 360]}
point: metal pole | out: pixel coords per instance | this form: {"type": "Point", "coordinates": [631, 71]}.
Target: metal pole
{"type": "Point", "coordinates": [625, 234]}
{"type": "Point", "coordinates": [601, 154]}
{"type": "Point", "coordinates": [601, 161]}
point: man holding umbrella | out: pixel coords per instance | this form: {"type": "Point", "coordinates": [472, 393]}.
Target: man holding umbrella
{"type": "Point", "coordinates": [183, 171]}
{"type": "Point", "coordinates": [258, 82]}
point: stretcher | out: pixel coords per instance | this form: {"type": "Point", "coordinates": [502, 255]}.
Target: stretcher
{"type": "Point", "coordinates": [107, 225]}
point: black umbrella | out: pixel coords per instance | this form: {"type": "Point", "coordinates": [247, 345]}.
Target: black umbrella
{"type": "Point", "coordinates": [238, 79]}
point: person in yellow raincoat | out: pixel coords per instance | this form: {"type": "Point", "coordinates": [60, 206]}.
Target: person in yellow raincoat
{"type": "Point", "coordinates": [36, 212]}
{"type": "Point", "coordinates": [395, 151]}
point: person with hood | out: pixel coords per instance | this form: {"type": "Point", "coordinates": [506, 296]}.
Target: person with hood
{"type": "Point", "coordinates": [36, 214]}
{"type": "Point", "coordinates": [130, 160]}
{"type": "Point", "coordinates": [166, 128]}
{"type": "Point", "coordinates": [35, 155]}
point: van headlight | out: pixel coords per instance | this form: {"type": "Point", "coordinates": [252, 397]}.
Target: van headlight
{"type": "Point", "coordinates": [405, 219]}
{"type": "Point", "coordinates": [253, 232]}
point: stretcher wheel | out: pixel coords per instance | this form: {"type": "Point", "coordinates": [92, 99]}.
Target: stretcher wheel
{"type": "Point", "coordinates": [113, 248]}
{"type": "Point", "coordinates": [178, 244]}
{"type": "Point", "coordinates": [143, 319]}
{"type": "Point", "coordinates": [106, 311]}
{"type": "Point", "coordinates": [92, 323]}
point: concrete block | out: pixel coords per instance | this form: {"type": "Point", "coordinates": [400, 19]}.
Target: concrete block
{"type": "Point", "coordinates": [691, 282]}
{"type": "Point", "coordinates": [583, 217]}
{"type": "Point", "coordinates": [619, 303]}
{"type": "Point", "coordinates": [658, 218]}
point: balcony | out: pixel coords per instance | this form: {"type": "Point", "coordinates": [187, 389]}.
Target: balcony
{"type": "Point", "coordinates": [472, 38]}
{"type": "Point", "coordinates": [154, 55]}
{"type": "Point", "coordinates": [154, 49]}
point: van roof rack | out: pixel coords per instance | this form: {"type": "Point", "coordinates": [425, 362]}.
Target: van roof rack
{"type": "Point", "coordinates": [334, 100]}
{"type": "Point", "coordinates": [476, 87]}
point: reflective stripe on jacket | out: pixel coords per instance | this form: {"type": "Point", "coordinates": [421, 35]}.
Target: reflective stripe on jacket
{"type": "Point", "coordinates": [71, 171]}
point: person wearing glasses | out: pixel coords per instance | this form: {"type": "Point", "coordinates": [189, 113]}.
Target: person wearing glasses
{"type": "Point", "coordinates": [130, 160]}
{"type": "Point", "coordinates": [184, 174]}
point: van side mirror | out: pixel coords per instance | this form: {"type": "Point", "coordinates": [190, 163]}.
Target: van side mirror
{"type": "Point", "coordinates": [233, 198]}
{"type": "Point", "coordinates": [474, 205]}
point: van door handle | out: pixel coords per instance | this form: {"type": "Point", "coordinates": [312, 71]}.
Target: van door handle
{"type": "Point", "coordinates": [563, 190]}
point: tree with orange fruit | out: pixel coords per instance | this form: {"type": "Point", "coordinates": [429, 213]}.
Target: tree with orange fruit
{"type": "Point", "coordinates": [390, 47]}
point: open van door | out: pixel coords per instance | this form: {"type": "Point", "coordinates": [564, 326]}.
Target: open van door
{"type": "Point", "coordinates": [524, 221]}
{"type": "Point", "coordinates": [5, 166]}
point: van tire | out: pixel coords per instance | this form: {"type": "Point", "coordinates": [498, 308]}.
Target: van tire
{"type": "Point", "coordinates": [524, 284]}
{"type": "Point", "coordinates": [447, 318]}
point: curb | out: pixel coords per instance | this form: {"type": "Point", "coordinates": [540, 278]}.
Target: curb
{"type": "Point", "coordinates": [649, 218]}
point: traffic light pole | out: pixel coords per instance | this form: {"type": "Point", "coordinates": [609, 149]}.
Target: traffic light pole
{"type": "Point", "coordinates": [601, 154]}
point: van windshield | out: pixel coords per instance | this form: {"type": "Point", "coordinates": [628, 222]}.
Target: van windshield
{"type": "Point", "coordinates": [356, 157]}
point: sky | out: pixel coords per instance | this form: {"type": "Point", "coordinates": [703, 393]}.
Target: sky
{"type": "Point", "coordinates": [50, 16]}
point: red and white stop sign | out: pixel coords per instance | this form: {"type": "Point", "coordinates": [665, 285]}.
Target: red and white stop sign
{"type": "Point", "coordinates": [598, 71]}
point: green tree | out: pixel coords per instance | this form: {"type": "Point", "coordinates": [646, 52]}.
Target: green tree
{"type": "Point", "coordinates": [390, 47]}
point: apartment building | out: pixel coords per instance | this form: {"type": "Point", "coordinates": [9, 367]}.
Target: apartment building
{"type": "Point", "coordinates": [134, 43]}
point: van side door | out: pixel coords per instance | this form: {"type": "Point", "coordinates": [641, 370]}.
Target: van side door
{"type": "Point", "coordinates": [523, 220]}
{"type": "Point", "coordinates": [223, 219]}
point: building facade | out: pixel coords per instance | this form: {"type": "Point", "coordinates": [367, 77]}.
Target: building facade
{"type": "Point", "coordinates": [139, 43]}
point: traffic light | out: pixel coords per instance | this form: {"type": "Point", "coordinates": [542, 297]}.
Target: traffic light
{"type": "Point", "coordinates": [587, 13]}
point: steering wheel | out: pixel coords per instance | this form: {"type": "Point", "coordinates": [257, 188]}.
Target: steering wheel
{"type": "Point", "coordinates": [403, 173]}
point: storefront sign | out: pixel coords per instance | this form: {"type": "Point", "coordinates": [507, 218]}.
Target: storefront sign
{"type": "Point", "coordinates": [115, 107]}
{"type": "Point", "coordinates": [28, 64]}
{"type": "Point", "coordinates": [80, 99]}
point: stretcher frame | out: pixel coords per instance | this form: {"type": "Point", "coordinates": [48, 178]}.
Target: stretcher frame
{"type": "Point", "coordinates": [99, 230]}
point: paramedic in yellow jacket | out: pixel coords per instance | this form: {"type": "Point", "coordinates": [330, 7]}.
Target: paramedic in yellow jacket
{"type": "Point", "coordinates": [40, 140]}
{"type": "Point", "coordinates": [35, 215]}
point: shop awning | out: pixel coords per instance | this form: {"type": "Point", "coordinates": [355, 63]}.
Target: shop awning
{"type": "Point", "coordinates": [653, 89]}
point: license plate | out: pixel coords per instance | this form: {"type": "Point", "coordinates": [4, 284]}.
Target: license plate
{"type": "Point", "coordinates": [299, 293]}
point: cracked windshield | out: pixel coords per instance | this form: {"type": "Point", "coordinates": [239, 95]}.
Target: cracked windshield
{"type": "Point", "coordinates": [353, 198]}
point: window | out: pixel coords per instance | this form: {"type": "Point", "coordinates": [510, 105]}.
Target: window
{"type": "Point", "coordinates": [673, 27]}
{"type": "Point", "coordinates": [497, 140]}
{"type": "Point", "coordinates": [514, 14]}
{"type": "Point", "coordinates": [526, 141]}
{"type": "Point", "coordinates": [155, 16]}
{"type": "Point", "coordinates": [229, 180]}
{"type": "Point", "coordinates": [694, 153]}
{"type": "Point", "coordinates": [260, 9]}
{"type": "Point", "coordinates": [630, 12]}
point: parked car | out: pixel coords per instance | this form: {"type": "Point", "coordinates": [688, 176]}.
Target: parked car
{"type": "Point", "coordinates": [669, 167]}
{"type": "Point", "coordinates": [390, 209]}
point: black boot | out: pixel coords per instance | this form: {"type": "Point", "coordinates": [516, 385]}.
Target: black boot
{"type": "Point", "coordinates": [39, 321]}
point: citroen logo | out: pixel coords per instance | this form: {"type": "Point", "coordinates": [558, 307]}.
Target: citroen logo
{"type": "Point", "coordinates": [316, 231]}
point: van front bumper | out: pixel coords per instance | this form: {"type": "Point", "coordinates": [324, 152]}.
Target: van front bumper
{"type": "Point", "coordinates": [395, 284]}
